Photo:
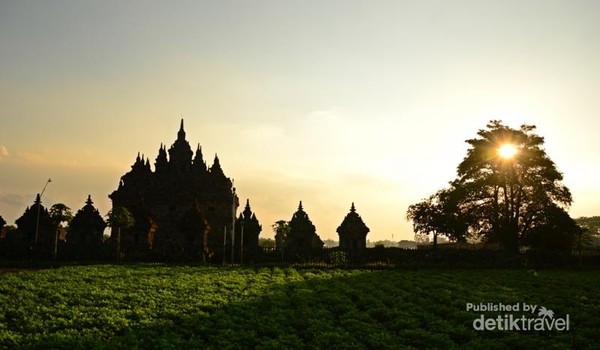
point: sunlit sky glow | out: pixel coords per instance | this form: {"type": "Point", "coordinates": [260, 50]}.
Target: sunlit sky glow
{"type": "Point", "coordinates": [328, 102]}
{"type": "Point", "coordinates": [507, 150]}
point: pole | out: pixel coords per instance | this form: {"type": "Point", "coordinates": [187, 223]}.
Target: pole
{"type": "Point", "coordinates": [118, 244]}
{"type": "Point", "coordinates": [224, 242]}
{"type": "Point", "coordinates": [242, 245]}
{"type": "Point", "coordinates": [233, 207]}
{"type": "Point", "coordinates": [37, 221]}
{"type": "Point", "coordinates": [55, 242]}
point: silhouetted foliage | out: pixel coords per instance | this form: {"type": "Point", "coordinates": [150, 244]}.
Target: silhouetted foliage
{"type": "Point", "coordinates": [555, 231]}
{"type": "Point", "coordinates": [590, 233]}
{"type": "Point", "coordinates": [266, 243]}
{"type": "Point", "coordinates": [505, 200]}
{"type": "Point", "coordinates": [2, 222]}
{"type": "Point", "coordinates": [329, 243]}
{"type": "Point", "coordinates": [59, 213]}
{"type": "Point", "coordinates": [119, 218]}
{"type": "Point", "coordinates": [439, 214]}
{"type": "Point", "coordinates": [282, 229]}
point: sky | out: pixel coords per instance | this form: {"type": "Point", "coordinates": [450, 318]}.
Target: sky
{"type": "Point", "coordinates": [328, 102]}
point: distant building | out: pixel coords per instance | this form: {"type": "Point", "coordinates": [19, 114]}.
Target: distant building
{"type": "Point", "coordinates": [353, 231]}
{"type": "Point", "coordinates": [302, 234]}
{"type": "Point", "coordinates": [406, 244]}
{"type": "Point", "coordinates": [182, 209]}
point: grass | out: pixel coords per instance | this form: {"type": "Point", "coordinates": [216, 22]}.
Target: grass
{"type": "Point", "coordinates": [162, 307]}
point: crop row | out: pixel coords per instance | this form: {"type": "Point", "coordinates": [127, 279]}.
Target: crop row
{"type": "Point", "coordinates": [198, 307]}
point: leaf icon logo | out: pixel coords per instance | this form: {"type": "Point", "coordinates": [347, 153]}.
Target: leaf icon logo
{"type": "Point", "coordinates": [545, 312]}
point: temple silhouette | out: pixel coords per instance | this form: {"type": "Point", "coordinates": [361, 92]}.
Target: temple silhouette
{"type": "Point", "coordinates": [353, 232]}
{"type": "Point", "coordinates": [182, 209]}
{"type": "Point", "coordinates": [303, 234]}
{"type": "Point", "coordinates": [84, 239]}
{"type": "Point", "coordinates": [36, 230]}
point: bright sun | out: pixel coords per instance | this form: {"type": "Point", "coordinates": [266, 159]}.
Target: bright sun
{"type": "Point", "coordinates": [507, 150]}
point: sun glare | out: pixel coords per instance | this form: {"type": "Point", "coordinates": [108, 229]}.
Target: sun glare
{"type": "Point", "coordinates": [507, 151]}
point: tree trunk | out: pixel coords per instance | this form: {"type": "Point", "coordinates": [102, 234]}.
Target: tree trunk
{"type": "Point", "coordinates": [55, 243]}
{"type": "Point", "coordinates": [118, 244]}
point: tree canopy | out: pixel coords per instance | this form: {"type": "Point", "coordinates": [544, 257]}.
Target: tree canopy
{"type": "Point", "coordinates": [507, 191]}
{"type": "Point", "coordinates": [590, 234]}
{"type": "Point", "coordinates": [60, 213]}
{"type": "Point", "coordinates": [120, 217]}
{"type": "Point", "coordinates": [282, 229]}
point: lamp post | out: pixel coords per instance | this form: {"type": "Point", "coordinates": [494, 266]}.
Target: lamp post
{"type": "Point", "coordinates": [37, 221]}
{"type": "Point", "coordinates": [224, 243]}
{"type": "Point", "coordinates": [233, 212]}
{"type": "Point", "coordinates": [242, 244]}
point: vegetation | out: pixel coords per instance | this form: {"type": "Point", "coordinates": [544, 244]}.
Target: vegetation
{"type": "Point", "coordinates": [589, 236]}
{"type": "Point", "coordinates": [119, 218]}
{"type": "Point", "coordinates": [129, 307]}
{"type": "Point", "coordinates": [507, 191]}
{"type": "Point", "coordinates": [266, 243]}
{"type": "Point", "coordinates": [282, 229]}
{"type": "Point", "coordinates": [59, 213]}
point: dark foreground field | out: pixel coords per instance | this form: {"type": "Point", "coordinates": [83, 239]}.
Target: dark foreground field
{"type": "Point", "coordinates": [163, 307]}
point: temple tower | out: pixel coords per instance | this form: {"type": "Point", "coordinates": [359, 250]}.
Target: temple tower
{"type": "Point", "coordinates": [302, 235]}
{"type": "Point", "coordinates": [353, 232]}
{"type": "Point", "coordinates": [181, 210]}
{"type": "Point", "coordinates": [86, 232]}
{"type": "Point", "coordinates": [247, 222]}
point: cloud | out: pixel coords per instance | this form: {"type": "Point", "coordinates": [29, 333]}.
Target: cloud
{"type": "Point", "coordinates": [4, 152]}
{"type": "Point", "coordinates": [14, 199]}
{"type": "Point", "coordinates": [46, 159]}
{"type": "Point", "coordinates": [41, 158]}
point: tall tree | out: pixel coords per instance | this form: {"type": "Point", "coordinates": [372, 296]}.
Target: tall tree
{"type": "Point", "coordinates": [59, 213]}
{"type": "Point", "coordinates": [439, 215]}
{"type": "Point", "coordinates": [282, 229]}
{"type": "Point", "coordinates": [507, 187]}
{"type": "Point", "coordinates": [119, 218]}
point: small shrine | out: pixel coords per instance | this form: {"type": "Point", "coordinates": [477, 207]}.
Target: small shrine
{"type": "Point", "coordinates": [353, 231]}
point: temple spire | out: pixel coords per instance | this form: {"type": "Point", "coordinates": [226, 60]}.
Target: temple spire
{"type": "Point", "coordinates": [247, 211]}
{"type": "Point", "coordinates": [181, 133]}
{"type": "Point", "coordinates": [216, 169]}
{"type": "Point", "coordinates": [352, 208]}
{"type": "Point", "coordinates": [300, 206]}
{"type": "Point", "coordinates": [89, 200]}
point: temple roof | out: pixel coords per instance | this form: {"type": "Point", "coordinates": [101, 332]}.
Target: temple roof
{"type": "Point", "coordinates": [301, 220]}
{"type": "Point", "coordinates": [353, 223]}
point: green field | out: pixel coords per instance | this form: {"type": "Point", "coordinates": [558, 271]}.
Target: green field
{"type": "Point", "coordinates": [176, 307]}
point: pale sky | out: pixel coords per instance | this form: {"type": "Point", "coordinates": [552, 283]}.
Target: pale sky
{"type": "Point", "coordinates": [328, 102]}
